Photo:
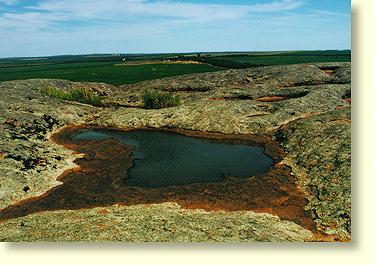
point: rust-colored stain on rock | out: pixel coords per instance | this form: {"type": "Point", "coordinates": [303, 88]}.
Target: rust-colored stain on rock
{"type": "Point", "coordinates": [270, 99]}
{"type": "Point", "coordinates": [99, 181]}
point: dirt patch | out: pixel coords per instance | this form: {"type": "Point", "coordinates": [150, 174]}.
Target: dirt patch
{"type": "Point", "coordinates": [239, 97]}
{"type": "Point", "coordinates": [340, 121]}
{"type": "Point", "coordinates": [290, 95]}
{"type": "Point", "coordinates": [129, 63]}
{"type": "Point", "coordinates": [347, 97]}
{"type": "Point", "coordinates": [216, 98]}
{"type": "Point", "coordinates": [329, 70]}
{"type": "Point", "coordinates": [270, 99]}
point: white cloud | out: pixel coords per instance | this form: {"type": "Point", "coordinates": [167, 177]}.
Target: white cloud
{"type": "Point", "coordinates": [8, 2]}
{"type": "Point", "coordinates": [84, 26]}
{"type": "Point", "coordinates": [163, 8]}
{"type": "Point", "coordinates": [329, 13]}
{"type": "Point", "coordinates": [126, 18]}
{"type": "Point", "coordinates": [46, 14]}
{"type": "Point", "coordinates": [117, 10]}
{"type": "Point", "coordinates": [30, 20]}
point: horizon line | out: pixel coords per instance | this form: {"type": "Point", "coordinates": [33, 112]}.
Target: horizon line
{"type": "Point", "coordinates": [187, 52]}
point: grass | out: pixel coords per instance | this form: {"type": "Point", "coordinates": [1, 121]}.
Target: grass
{"type": "Point", "coordinates": [105, 72]}
{"type": "Point", "coordinates": [158, 100]}
{"type": "Point", "coordinates": [81, 95]}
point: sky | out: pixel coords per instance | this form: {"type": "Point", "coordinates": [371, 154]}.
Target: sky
{"type": "Point", "coordinates": [53, 27]}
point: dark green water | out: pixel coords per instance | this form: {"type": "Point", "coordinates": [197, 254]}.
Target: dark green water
{"type": "Point", "coordinates": [166, 158]}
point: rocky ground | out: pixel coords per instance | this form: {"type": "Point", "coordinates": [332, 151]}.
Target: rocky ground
{"type": "Point", "coordinates": [305, 108]}
{"type": "Point", "coordinates": [156, 223]}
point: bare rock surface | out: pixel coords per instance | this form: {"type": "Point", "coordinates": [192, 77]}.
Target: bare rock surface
{"type": "Point", "coordinates": [304, 107]}
{"type": "Point", "coordinates": [29, 161]}
{"type": "Point", "coordinates": [227, 101]}
{"type": "Point", "coordinates": [319, 153]}
{"type": "Point", "coordinates": [165, 222]}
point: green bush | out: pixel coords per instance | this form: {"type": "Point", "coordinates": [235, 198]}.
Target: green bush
{"type": "Point", "coordinates": [81, 95]}
{"type": "Point", "coordinates": [158, 100]}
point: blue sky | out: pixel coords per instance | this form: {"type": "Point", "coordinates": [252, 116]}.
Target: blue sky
{"type": "Point", "coordinates": [51, 27]}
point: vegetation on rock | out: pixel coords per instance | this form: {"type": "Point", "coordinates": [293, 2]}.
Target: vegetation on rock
{"type": "Point", "coordinates": [81, 95]}
{"type": "Point", "coordinates": [158, 100]}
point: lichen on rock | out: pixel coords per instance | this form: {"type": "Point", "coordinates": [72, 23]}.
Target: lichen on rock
{"type": "Point", "coordinates": [310, 119]}
{"type": "Point", "coordinates": [165, 222]}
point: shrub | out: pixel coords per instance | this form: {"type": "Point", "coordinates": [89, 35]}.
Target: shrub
{"type": "Point", "coordinates": [81, 95]}
{"type": "Point", "coordinates": [158, 100]}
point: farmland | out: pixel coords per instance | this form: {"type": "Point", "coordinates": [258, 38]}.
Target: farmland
{"type": "Point", "coordinates": [121, 69]}
{"type": "Point", "coordinates": [255, 59]}
{"type": "Point", "coordinates": [106, 72]}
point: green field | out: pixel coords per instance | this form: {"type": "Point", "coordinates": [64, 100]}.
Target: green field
{"type": "Point", "coordinates": [104, 67]}
{"type": "Point", "coordinates": [245, 60]}
{"type": "Point", "coordinates": [285, 59]}
{"type": "Point", "coordinates": [106, 72]}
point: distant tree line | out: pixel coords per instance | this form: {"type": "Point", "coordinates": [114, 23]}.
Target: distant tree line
{"type": "Point", "coordinates": [226, 63]}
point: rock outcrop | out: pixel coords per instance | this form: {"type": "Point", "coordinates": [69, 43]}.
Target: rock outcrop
{"type": "Point", "coordinates": [165, 222]}
{"type": "Point", "coordinates": [306, 108]}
